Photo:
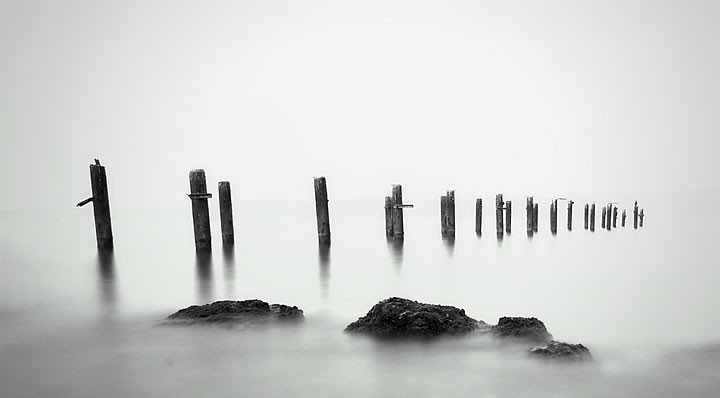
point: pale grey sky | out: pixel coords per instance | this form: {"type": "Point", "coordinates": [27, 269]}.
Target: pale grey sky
{"type": "Point", "coordinates": [521, 96]}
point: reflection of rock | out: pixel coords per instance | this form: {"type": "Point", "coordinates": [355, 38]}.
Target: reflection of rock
{"type": "Point", "coordinates": [529, 329]}
{"type": "Point", "coordinates": [557, 350]}
{"type": "Point", "coordinates": [398, 317]}
{"type": "Point", "coordinates": [235, 312]}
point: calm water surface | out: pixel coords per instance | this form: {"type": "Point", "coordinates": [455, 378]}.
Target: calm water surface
{"type": "Point", "coordinates": [75, 323]}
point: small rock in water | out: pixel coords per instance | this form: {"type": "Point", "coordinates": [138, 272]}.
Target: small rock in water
{"type": "Point", "coordinates": [235, 312]}
{"type": "Point", "coordinates": [530, 329]}
{"type": "Point", "coordinates": [398, 317]}
{"type": "Point", "coordinates": [557, 350]}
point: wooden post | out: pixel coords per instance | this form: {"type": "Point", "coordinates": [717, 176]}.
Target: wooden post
{"type": "Point", "coordinates": [642, 217]}
{"type": "Point", "coordinates": [592, 217]}
{"type": "Point", "coordinates": [447, 215]}
{"type": "Point", "coordinates": [569, 214]}
{"type": "Point", "coordinates": [101, 206]}
{"type": "Point", "coordinates": [553, 216]}
{"type": "Point", "coordinates": [608, 225]}
{"type": "Point", "coordinates": [508, 217]}
{"type": "Point", "coordinates": [321, 211]}
{"type": "Point", "coordinates": [615, 214]}
{"type": "Point", "coordinates": [624, 216]}
{"type": "Point", "coordinates": [478, 216]}
{"type": "Point", "coordinates": [388, 217]}
{"type": "Point", "coordinates": [499, 215]}
{"type": "Point", "coordinates": [226, 216]}
{"type": "Point", "coordinates": [529, 209]}
{"type": "Point", "coordinates": [635, 215]}
{"type": "Point", "coordinates": [604, 210]}
{"type": "Point", "coordinates": [536, 211]}
{"type": "Point", "coordinates": [587, 211]}
{"type": "Point", "coordinates": [397, 212]}
{"type": "Point", "coordinates": [201, 215]}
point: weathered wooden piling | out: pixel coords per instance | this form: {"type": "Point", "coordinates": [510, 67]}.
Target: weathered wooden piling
{"type": "Point", "coordinates": [570, 214]}
{"type": "Point", "coordinates": [615, 214]}
{"type": "Point", "coordinates": [635, 215]}
{"type": "Point", "coordinates": [553, 216]}
{"type": "Point", "coordinates": [226, 216]}
{"type": "Point", "coordinates": [587, 211]}
{"type": "Point", "coordinates": [642, 217]}
{"type": "Point", "coordinates": [101, 206]}
{"type": "Point", "coordinates": [624, 216]}
{"type": "Point", "coordinates": [447, 215]}
{"type": "Point", "coordinates": [388, 217]}
{"type": "Point", "coordinates": [592, 217]}
{"type": "Point", "coordinates": [602, 224]}
{"type": "Point", "coordinates": [321, 211]}
{"type": "Point", "coordinates": [536, 211]}
{"type": "Point", "coordinates": [397, 212]}
{"type": "Point", "coordinates": [529, 210]}
{"type": "Point", "coordinates": [478, 216]}
{"type": "Point", "coordinates": [499, 214]}
{"type": "Point", "coordinates": [201, 214]}
{"type": "Point", "coordinates": [608, 225]}
{"type": "Point", "coordinates": [508, 217]}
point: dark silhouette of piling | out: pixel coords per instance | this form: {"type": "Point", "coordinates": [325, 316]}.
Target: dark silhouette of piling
{"type": "Point", "coordinates": [201, 214]}
{"type": "Point", "coordinates": [615, 214]}
{"type": "Point", "coordinates": [478, 216]}
{"type": "Point", "coordinates": [570, 214]}
{"type": "Point", "coordinates": [592, 217]}
{"type": "Point", "coordinates": [101, 206]}
{"type": "Point", "coordinates": [508, 217]}
{"type": "Point", "coordinates": [447, 215]}
{"type": "Point", "coordinates": [642, 217]}
{"type": "Point", "coordinates": [635, 215]}
{"type": "Point", "coordinates": [608, 225]}
{"type": "Point", "coordinates": [499, 215]}
{"type": "Point", "coordinates": [321, 211]}
{"type": "Point", "coordinates": [587, 211]}
{"type": "Point", "coordinates": [529, 210]}
{"type": "Point", "coordinates": [388, 217]}
{"type": "Point", "coordinates": [553, 216]}
{"type": "Point", "coordinates": [604, 210]}
{"type": "Point", "coordinates": [397, 212]}
{"type": "Point", "coordinates": [226, 216]}
{"type": "Point", "coordinates": [536, 211]}
{"type": "Point", "coordinates": [624, 216]}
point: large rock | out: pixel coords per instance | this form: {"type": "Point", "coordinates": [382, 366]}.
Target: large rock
{"type": "Point", "coordinates": [234, 313]}
{"type": "Point", "coordinates": [398, 317]}
{"type": "Point", "coordinates": [557, 350]}
{"type": "Point", "coordinates": [526, 329]}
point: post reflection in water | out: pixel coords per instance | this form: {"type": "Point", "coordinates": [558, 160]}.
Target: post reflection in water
{"type": "Point", "coordinates": [106, 277]}
{"type": "Point", "coordinates": [324, 266]}
{"type": "Point", "coordinates": [449, 245]}
{"type": "Point", "coordinates": [229, 270]}
{"type": "Point", "coordinates": [395, 247]}
{"type": "Point", "coordinates": [203, 269]}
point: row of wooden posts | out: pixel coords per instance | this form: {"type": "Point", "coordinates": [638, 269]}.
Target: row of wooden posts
{"type": "Point", "coordinates": [394, 206]}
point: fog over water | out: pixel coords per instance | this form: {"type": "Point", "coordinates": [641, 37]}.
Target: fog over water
{"type": "Point", "coordinates": [593, 101]}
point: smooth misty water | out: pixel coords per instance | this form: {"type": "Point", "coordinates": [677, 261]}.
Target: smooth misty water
{"type": "Point", "coordinates": [76, 324]}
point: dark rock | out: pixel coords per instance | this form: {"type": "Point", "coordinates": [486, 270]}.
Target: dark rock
{"type": "Point", "coordinates": [557, 350]}
{"type": "Point", "coordinates": [530, 329]}
{"type": "Point", "coordinates": [235, 312]}
{"type": "Point", "coordinates": [398, 317]}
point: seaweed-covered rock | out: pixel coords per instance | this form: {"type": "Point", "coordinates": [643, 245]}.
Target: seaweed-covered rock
{"type": "Point", "coordinates": [557, 350]}
{"type": "Point", "coordinates": [399, 317]}
{"type": "Point", "coordinates": [235, 312]}
{"type": "Point", "coordinates": [529, 329]}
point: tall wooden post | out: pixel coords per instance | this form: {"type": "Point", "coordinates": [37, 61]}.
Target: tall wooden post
{"type": "Point", "coordinates": [608, 225]}
{"type": "Point", "coordinates": [570, 214]}
{"type": "Point", "coordinates": [529, 209]}
{"type": "Point", "coordinates": [587, 211]}
{"type": "Point", "coordinates": [624, 216]}
{"type": "Point", "coordinates": [604, 210]}
{"type": "Point", "coordinates": [642, 217]}
{"type": "Point", "coordinates": [592, 217]}
{"type": "Point", "coordinates": [101, 206]}
{"type": "Point", "coordinates": [499, 215]}
{"type": "Point", "coordinates": [447, 215]}
{"type": "Point", "coordinates": [553, 216]}
{"type": "Point", "coordinates": [536, 212]}
{"type": "Point", "coordinates": [226, 216]}
{"type": "Point", "coordinates": [615, 214]}
{"type": "Point", "coordinates": [321, 211]}
{"type": "Point", "coordinates": [508, 217]}
{"type": "Point", "coordinates": [201, 214]}
{"type": "Point", "coordinates": [397, 212]}
{"type": "Point", "coordinates": [635, 215]}
{"type": "Point", "coordinates": [388, 217]}
{"type": "Point", "coordinates": [478, 216]}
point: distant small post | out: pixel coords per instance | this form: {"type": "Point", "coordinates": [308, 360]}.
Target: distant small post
{"type": "Point", "coordinates": [478, 216]}
{"type": "Point", "coordinates": [615, 214]}
{"type": "Point", "coordinates": [570, 214]}
{"type": "Point", "coordinates": [529, 210]}
{"type": "Point", "coordinates": [553, 216]}
{"type": "Point", "coordinates": [508, 217]}
{"type": "Point", "coordinates": [635, 215]}
{"type": "Point", "coordinates": [587, 211]}
{"type": "Point", "coordinates": [604, 210]}
{"type": "Point", "coordinates": [226, 216]}
{"type": "Point", "coordinates": [397, 212]}
{"type": "Point", "coordinates": [201, 214]}
{"type": "Point", "coordinates": [624, 216]}
{"type": "Point", "coordinates": [388, 217]}
{"type": "Point", "coordinates": [642, 217]}
{"type": "Point", "coordinates": [447, 215]}
{"type": "Point", "coordinates": [101, 206]}
{"type": "Point", "coordinates": [321, 211]}
{"type": "Point", "coordinates": [592, 217]}
{"type": "Point", "coordinates": [608, 225]}
{"type": "Point", "coordinates": [536, 212]}
{"type": "Point", "coordinates": [499, 215]}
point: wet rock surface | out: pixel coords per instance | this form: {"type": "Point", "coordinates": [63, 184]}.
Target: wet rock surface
{"type": "Point", "coordinates": [519, 328]}
{"type": "Point", "coordinates": [398, 317]}
{"type": "Point", "coordinates": [559, 351]}
{"type": "Point", "coordinates": [231, 313]}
